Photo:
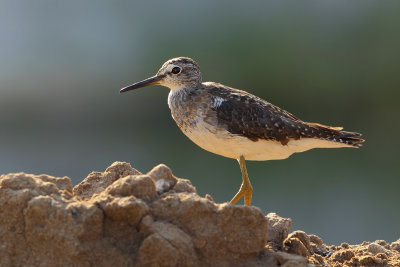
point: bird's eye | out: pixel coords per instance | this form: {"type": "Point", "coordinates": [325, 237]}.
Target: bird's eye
{"type": "Point", "coordinates": [176, 70]}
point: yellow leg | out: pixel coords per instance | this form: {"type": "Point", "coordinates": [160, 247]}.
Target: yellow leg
{"type": "Point", "coordinates": [246, 190]}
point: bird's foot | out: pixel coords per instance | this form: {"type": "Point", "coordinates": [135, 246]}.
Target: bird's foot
{"type": "Point", "coordinates": [246, 191]}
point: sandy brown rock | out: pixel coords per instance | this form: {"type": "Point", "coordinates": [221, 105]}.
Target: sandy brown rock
{"type": "Point", "coordinates": [165, 244]}
{"type": "Point", "coordinates": [122, 217]}
{"type": "Point", "coordinates": [290, 260]}
{"type": "Point", "coordinates": [378, 253]}
{"type": "Point", "coordinates": [375, 248]}
{"type": "Point", "coordinates": [395, 245]}
{"type": "Point", "coordinates": [140, 186]}
{"type": "Point", "coordinates": [96, 182]}
{"type": "Point", "coordinates": [184, 185]}
{"type": "Point", "coordinates": [278, 229]}
{"type": "Point", "coordinates": [16, 190]}
{"type": "Point", "coordinates": [246, 227]}
{"type": "Point", "coordinates": [163, 178]}
{"type": "Point", "coordinates": [294, 245]}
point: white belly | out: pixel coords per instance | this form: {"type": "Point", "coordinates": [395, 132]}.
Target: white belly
{"type": "Point", "coordinates": [233, 146]}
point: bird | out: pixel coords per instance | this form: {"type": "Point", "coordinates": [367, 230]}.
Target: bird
{"type": "Point", "coordinates": [236, 124]}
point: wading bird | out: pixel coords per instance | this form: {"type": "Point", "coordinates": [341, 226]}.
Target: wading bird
{"type": "Point", "coordinates": [236, 124]}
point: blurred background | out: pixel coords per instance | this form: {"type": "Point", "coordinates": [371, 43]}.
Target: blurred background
{"type": "Point", "coordinates": [333, 62]}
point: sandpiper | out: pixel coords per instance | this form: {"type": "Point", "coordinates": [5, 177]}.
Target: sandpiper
{"type": "Point", "coordinates": [236, 124]}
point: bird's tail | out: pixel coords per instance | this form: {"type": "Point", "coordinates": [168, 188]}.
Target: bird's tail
{"type": "Point", "coordinates": [335, 134]}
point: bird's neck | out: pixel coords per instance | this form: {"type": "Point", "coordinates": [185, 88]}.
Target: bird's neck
{"type": "Point", "coordinates": [180, 98]}
{"type": "Point", "coordinates": [184, 105]}
{"type": "Point", "coordinates": [177, 96]}
{"type": "Point", "coordinates": [187, 86]}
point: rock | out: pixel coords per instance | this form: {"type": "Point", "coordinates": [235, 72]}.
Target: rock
{"type": "Point", "coordinates": [140, 186]}
{"type": "Point", "coordinates": [184, 185]}
{"type": "Point", "coordinates": [42, 224]}
{"type": "Point", "coordinates": [121, 217]}
{"type": "Point", "coordinates": [96, 182]}
{"type": "Point", "coordinates": [381, 242]}
{"type": "Point", "coordinates": [278, 229]}
{"type": "Point", "coordinates": [290, 260]}
{"type": "Point", "coordinates": [165, 245]}
{"type": "Point", "coordinates": [208, 197]}
{"type": "Point", "coordinates": [163, 178]}
{"type": "Point", "coordinates": [293, 245]}
{"type": "Point", "coordinates": [317, 246]}
{"type": "Point", "coordinates": [378, 253]}
{"type": "Point", "coordinates": [165, 181]}
{"type": "Point", "coordinates": [66, 226]}
{"type": "Point", "coordinates": [298, 243]}
{"type": "Point", "coordinates": [342, 255]}
{"type": "Point", "coordinates": [382, 256]}
{"type": "Point", "coordinates": [37, 184]}
{"type": "Point", "coordinates": [395, 245]}
{"type": "Point", "coordinates": [371, 261]}
{"type": "Point", "coordinates": [303, 237]}
{"type": "Point", "coordinates": [128, 209]}
{"type": "Point", "coordinates": [16, 190]}
{"type": "Point", "coordinates": [203, 220]}
{"type": "Point", "coordinates": [316, 240]}
{"type": "Point", "coordinates": [375, 248]}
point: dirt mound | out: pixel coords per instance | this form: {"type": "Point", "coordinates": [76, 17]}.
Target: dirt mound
{"type": "Point", "coordinates": [122, 217]}
{"type": "Point", "coordinates": [378, 253]}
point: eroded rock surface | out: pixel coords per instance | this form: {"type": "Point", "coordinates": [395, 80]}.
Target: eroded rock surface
{"type": "Point", "coordinates": [378, 253]}
{"type": "Point", "coordinates": [121, 217]}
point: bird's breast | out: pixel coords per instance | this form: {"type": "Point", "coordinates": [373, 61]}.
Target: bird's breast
{"type": "Point", "coordinates": [187, 108]}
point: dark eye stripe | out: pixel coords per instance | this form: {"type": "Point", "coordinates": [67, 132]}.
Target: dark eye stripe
{"type": "Point", "coordinates": [176, 70]}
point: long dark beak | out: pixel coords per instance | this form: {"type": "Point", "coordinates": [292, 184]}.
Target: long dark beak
{"type": "Point", "coordinates": [149, 81]}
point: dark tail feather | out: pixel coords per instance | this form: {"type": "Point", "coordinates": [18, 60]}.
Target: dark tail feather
{"type": "Point", "coordinates": [350, 138]}
{"type": "Point", "coordinates": [335, 134]}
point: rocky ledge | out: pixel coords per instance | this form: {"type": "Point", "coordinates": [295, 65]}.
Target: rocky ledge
{"type": "Point", "coordinates": [122, 217]}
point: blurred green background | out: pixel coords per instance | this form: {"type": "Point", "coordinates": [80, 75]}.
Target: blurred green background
{"type": "Point", "coordinates": [333, 62]}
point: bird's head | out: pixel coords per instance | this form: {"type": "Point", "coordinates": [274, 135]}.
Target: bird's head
{"type": "Point", "coordinates": [176, 73]}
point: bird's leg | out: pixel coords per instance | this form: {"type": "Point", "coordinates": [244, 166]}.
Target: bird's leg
{"type": "Point", "coordinates": [246, 190]}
